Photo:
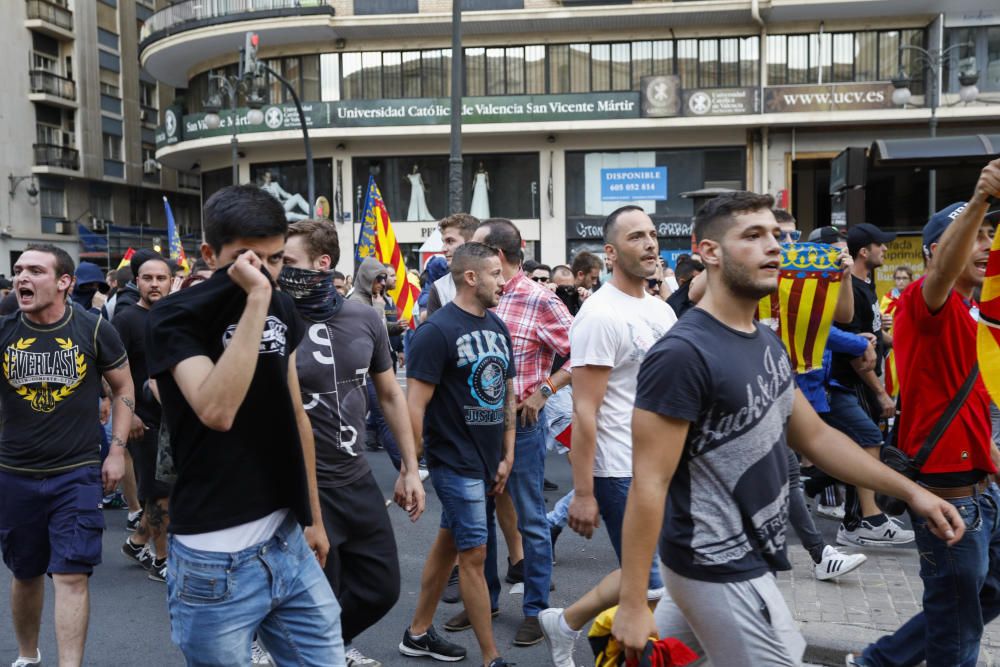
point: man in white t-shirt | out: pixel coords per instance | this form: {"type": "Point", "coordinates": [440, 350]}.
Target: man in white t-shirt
{"type": "Point", "coordinates": [608, 341]}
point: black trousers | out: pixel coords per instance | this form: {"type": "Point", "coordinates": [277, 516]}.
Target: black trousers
{"type": "Point", "coordinates": [363, 565]}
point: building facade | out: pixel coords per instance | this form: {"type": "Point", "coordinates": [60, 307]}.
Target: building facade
{"type": "Point", "coordinates": [572, 108]}
{"type": "Point", "coordinates": [80, 119]}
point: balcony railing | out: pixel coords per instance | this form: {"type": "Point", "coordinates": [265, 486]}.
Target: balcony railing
{"type": "Point", "coordinates": [50, 12]}
{"type": "Point", "coordinates": [53, 155]}
{"type": "Point", "coordinates": [174, 17]}
{"type": "Point", "coordinates": [52, 84]}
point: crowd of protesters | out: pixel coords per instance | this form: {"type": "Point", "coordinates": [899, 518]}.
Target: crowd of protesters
{"type": "Point", "coordinates": [229, 407]}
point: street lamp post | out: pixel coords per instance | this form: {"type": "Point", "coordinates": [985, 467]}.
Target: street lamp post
{"type": "Point", "coordinates": [933, 60]}
{"type": "Point", "coordinates": [231, 87]}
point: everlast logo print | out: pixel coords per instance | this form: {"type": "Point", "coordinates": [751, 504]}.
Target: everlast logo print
{"type": "Point", "coordinates": [487, 353]}
{"type": "Point", "coordinates": [43, 378]}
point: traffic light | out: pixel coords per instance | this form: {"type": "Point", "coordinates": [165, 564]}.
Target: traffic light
{"type": "Point", "coordinates": [248, 63]}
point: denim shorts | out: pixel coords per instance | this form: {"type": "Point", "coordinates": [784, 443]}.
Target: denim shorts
{"type": "Point", "coordinates": [51, 525]}
{"type": "Point", "coordinates": [847, 416]}
{"type": "Point", "coordinates": [463, 506]}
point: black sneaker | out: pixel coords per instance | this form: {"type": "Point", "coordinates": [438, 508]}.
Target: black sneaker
{"type": "Point", "coordinates": [139, 553]}
{"type": "Point", "coordinates": [132, 521]}
{"type": "Point", "coordinates": [159, 571]}
{"type": "Point", "coordinates": [554, 532]}
{"type": "Point", "coordinates": [547, 486]}
{"type": "Point", "coordinates": [431, 645]}
{"type": "Point", "coordinates": [451, 593]}
{"type": "Point", "coordinates": [500, 662]}
{"type": "Point", "coordinates": [515, 572]}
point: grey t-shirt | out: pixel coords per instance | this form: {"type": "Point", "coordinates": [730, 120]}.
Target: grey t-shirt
{"type": "Point", "coordinates": [333, 361]}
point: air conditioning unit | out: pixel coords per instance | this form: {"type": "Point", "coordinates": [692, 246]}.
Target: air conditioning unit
{"type": "Point", "coordinates": [150, 166]}
{"type": "Point", "coordinates": [99, 224]}
{"type": "Point", "coordinates": [143, 115]}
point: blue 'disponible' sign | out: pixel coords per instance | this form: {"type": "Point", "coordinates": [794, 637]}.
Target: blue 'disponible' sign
{"type": "Point", "coordinates": [630, 183]}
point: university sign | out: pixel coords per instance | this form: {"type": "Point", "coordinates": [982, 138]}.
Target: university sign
{"type": "Point", "coordinates": [831, 97]}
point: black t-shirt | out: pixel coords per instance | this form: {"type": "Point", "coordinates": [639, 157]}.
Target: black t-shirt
{"type": "Point", "coordinates": [727, 505]}
{"type": "Point", "coordinates": [332, 362]}
{"type": "Point", "coordinates": [680, 300]}
{"type": "Point", "coordinates": [469, 359]}
{"type": "Point", "coordinates": [867, 318]}
{"type": "Point", "coordinates": [225, 479]}
{"type": "Point", "coordinates": [51, 390]}
{"type": "Point", "coordinates": [130, 324]}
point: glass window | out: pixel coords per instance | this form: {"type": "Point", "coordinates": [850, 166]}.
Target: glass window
{"type": "Point", "coordinates": [990, 75]}
{"type": "Point", "coordinates": [642, 62]}
{"type": "Point", "coordinates": [729, 62]}
{"type": "Point", "coordinates": [579, 68]}
{"type": "Point", "coordinates": [52, 202]}
{"type": "Point", "coordinates": [600, 66]}
{"type": "Point", "coordinates": [495, 72]}
{"type": "Point", "coordinates": [411, 74]}
{"type": "Point", "coordinates": [371, 74]}
{"type": "Point", "coordinates": [663, 58]}
{"type": "Point", "coordinates": [687, 62]}
{"type": "Point", "coordinates": [708, 63]}
{"type": "Point", "coordinates": [100, 201]}
{"type": "Point", "coordinates": [620, 66]}
{"type": "Point", "coordinates": [558, 68]}
{"type": "Point", "coordinates": [112, 146]}
{"type": "Point", "coordinates": [310, 78]}
{"type": "Point", "coordinates": [909, 59]}
{"type": "Point", "coordinates": [534, 69]}
{"type": "Point", "coordinates": [866, 56]}
{"type": "Point", "coordinates": [888, 57]}
{"type": "Point", "coordinates": [749, 61]}
{"type": "Point", "coordinates": [475, 72]}
{"type": "Point", "coordinates": [798, 59]}
{"type": "Point", "coordinates": [515, 70]}
{"type": "Point", "coordinates": [329, 72]}
{"type": "Point", "coordinates": [147, 94]}
{"type": "Point", "coordinates": [392, 74]}
{"type": "Point", "coordinates": [777, 60]}
{"type": "Point", "coordinates": [434, 76]}
{"type": "Point", "coordinates": [351, 68]}
{"type": "Point", "coordinates": [275, 94]}
{"type": "Point", "coordinates": [843, 57]}
{"type": "Point", "coordinates": [292, 73]}
{"type": "Point", "coordinates": [820, 57]}
{"type": "Point", "coordinates": [291, 176]}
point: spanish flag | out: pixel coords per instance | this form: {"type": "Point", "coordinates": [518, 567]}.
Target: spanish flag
{"type": "Point", "coordinates": [379, 241]}
{"type": "Point", "coordinates": [989, 324]}
{"type": "Point", "coordinates": [126, 258]}
{"type": "Point", "coordinates": [801, 311]}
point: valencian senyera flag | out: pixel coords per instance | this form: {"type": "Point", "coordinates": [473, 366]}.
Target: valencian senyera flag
{"type": "Point", "coordinates": [378, 240]}
{"type": "Point", "coordinates": [174, 239]}
{"type": "Point", "coordinates": [801, 311]}
{"type": "Point", "coordinates": [989, 324]}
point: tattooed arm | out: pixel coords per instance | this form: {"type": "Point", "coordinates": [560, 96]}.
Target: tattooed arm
{"type": "Point", "coordinates": [509, 433]}
{"type": "Point", "coordinates": [122, 411]}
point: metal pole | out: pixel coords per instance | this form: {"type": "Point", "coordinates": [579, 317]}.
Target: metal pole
{"type": "Point", "coordinates": [231, 91]}
{"type": "Point", "coordinates": [455, 196]}
{"type": "Point", "coordinates": [310, 176]}
{"type": "Point", "coordinates": [932, 173]}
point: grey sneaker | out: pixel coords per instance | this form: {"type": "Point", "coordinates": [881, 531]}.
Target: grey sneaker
{"type": "Point", "coordinates": [356, 658]}
{"type": "Point", "coordinates": [259, 656]}
{"type": "Point", "coordinates": [890, 533]}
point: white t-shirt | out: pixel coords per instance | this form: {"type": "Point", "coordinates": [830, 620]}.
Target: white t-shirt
{"type": "Point", "coordinates": [615, 329]}
{"type": "Point", "coordinates": [236, 538]}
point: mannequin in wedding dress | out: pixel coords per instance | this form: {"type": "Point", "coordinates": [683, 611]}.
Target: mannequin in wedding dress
{"type": "Point", "coordinates": [480, 194]}
{"type": "Point", "coordinates": [418, 204]}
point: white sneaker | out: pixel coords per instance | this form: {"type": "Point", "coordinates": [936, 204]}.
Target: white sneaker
{"type": "Point", "coordinates": [28, 662]}
{"type": "Point", "coordinates": [836, 563]}
{"type": "Point", "coordinates": [259, 656]}
{"type": "Point", "coordinates": [890, 533]}
{"type": "Point", "coordinates": [835, 512]}
{"type": "Point", "coordinates": [423, 472]}
{"type": "Point", "coordinates": [356, 658]}
{"type": "Point", "coordinates": [560, 645]}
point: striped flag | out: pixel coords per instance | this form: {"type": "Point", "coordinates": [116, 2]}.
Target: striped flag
{"type": "Point", "coordinates": [126, 258]}
{"type": "Point", "coordinates": [378, 240]}
{"type": "Point", "coordinates": [801, 311]}
{"type": "Point", "coordinates": [989, 324]}
{"type": "Point", "coordinates": [174, 239]}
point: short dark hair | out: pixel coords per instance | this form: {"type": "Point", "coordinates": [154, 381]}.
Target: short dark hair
{"type": "Point", "coordinates": [781, 215]}
{"type": "Point", "coordinates": [612, 219]}
{"type": "Point", "coordinates": [337, 275]}
{"type": "Point", "coordinates": [543, 267]}
{"type": "Point", "coordinates": [717, 213]}
{"type": "Point", "coordinates": [530, 265]}
{"type": "Point", "coordinates": [242, 212]}
{"type": "Point", "coordinates": [64, 263]}
{"type": "Point", "coordinates": [469, 256]}
{"type": "Point", "coordinates": [125, 275]}
{"type": "Point", "coordinates": [320, 238]}
{"type": "Point", "coordinates": [687, 270]}
{"type": "Point", "coordinates": [504, 236]}
{"type": "Point", "coordinates": [465, 223]}
{"type": "Point", "coordinates": [585, 262]}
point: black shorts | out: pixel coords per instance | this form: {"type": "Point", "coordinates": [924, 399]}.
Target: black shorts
{"type": "Point", "coordinates": [143, 453]}
{"type": "Point", "coordinates": [51, 525]}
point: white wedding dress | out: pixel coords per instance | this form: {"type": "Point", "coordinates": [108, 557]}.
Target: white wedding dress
{"type": "Point", "coordinates": [418, 205]}
{"type": "Point", "coordinates": [480, 197]}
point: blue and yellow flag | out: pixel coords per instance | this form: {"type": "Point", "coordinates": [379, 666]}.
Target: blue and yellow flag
{"type": "Point", "coordinates": [801, 311]}
{"type": "Point", "coordinates": [174, 239]}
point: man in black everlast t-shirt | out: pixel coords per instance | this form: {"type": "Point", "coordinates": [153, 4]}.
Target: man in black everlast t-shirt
{"type": "Point", "coordinates": [54, 355]}
{"type": "Point", "coordinates": [222, 353]}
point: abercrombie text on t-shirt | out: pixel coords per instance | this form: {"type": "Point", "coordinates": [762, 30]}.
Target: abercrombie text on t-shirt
{"type": "Point", "coordinates": [727, 505]}
{"type": "Point", "coordinates": [469, 359]}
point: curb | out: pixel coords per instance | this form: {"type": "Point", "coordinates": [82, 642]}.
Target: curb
{"type": "Point", "coordinates": [829, 643]}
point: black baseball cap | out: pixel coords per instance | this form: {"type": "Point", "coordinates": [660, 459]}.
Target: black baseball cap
{"type": "Point", "coordinates": [864, 234]}
{"type": "Point", "coordinates": [828, 234]}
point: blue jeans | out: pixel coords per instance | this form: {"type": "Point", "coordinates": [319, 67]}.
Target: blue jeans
{"type": "Point", "coordinates": [276, 588]}
{"type": "Point", "coordinates": [464, 511]}
{"type": "Point", "coordinates": [525, 489]}
{"type": "Point", "coordinates": [559, 516]}
{"type": "Point", "coordinates": [611, 494]}
{"type": "Point", "coordinates": [961, 592]}
{"type": "Point", "coordinates": [377, 421]}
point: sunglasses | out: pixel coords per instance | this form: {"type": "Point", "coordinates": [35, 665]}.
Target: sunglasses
{"type": "Point", "coordinates": [653, 283]}
{"type": "Point", "coordinates": [381, 279]}
{"type": "Point", "coordinates": [540, 279]}
{"type": "Point", "coordinates": [792, 236]}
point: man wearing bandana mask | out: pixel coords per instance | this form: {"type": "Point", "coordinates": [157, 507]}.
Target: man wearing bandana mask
{"type": "Point", "coordinates": [345, 340]}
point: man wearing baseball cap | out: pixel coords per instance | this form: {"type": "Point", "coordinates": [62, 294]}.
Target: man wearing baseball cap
{"type": "Point", "coordinates": [829, 235]}
{"type": "Point", "coordinates": [936, 354]}
{"type": "Point", "coordinates": [858, 400]}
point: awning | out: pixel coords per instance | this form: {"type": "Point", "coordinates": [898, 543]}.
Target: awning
{"type": "Point", "coordinates": [936, 152]}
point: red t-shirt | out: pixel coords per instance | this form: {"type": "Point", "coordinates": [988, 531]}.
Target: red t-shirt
{"type": "Point", "coordinates": [934, 354]}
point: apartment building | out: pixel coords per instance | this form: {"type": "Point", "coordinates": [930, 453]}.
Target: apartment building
{"type": "Point", "coordinates": [79, 122]}
{"type": "Point", "coordinates": [574, 107]}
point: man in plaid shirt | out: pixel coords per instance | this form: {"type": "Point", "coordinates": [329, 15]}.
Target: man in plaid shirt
{"type": "Point", "coordinates": [539, 324]}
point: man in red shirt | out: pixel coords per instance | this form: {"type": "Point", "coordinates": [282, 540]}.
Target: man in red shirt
{"type": "Point", "coordinates": [935, 344]}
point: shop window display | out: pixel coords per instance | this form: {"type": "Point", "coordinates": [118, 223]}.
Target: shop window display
{"type": "Point", "coordinates": [286, 182]}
